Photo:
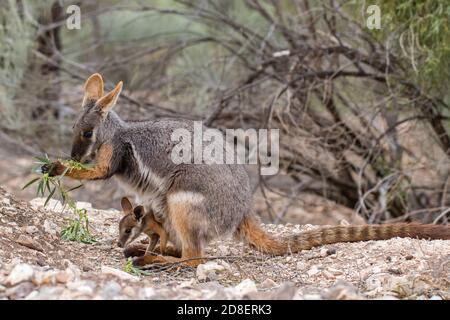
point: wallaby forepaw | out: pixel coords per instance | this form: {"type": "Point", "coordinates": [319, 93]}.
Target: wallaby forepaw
{"type": "Point", "coordinates": [53, 169]}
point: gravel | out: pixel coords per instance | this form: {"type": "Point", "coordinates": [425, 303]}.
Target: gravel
{"type": "Point", "coordinates": [36, 264]}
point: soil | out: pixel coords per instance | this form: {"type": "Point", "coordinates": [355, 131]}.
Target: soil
{"type": "Point", "coordinates": [36, 264]}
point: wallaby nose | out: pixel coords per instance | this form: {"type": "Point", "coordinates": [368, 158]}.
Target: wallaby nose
{"type": "Point", "coordinates": [119, 244]}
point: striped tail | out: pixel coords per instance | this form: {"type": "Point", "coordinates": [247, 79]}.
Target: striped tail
{"type": "Point", "coordinates": [257, 238]}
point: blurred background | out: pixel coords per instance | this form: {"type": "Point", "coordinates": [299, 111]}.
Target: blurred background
{"type": "Point", "coordinates": [363, 112]}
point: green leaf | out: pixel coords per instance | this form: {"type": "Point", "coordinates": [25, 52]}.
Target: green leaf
{"type": "Point", "coordinates": [30, 183]}
{"type": "Point", "coordinates": [50, 196]}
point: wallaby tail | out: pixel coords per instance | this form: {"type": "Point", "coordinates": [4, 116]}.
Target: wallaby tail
{"type": "Point", "coordinates": [250, 231]}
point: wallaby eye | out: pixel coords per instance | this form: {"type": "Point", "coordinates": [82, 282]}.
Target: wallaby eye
{"type": "Point", "coordinates": [87, 134]}
{"type": "Point", "coordinates": [127, 231]}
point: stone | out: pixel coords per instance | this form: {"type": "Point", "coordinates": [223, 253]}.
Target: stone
{"type": "Point", "coordinates": [20, 273]}
{"type": "Point", "coordinates": [245, 287]}
{"type": "Point", "coordinates": [29, 243]}
{"type": "Point", "coordinates": [20, 291]}
{"type": "Point", "coordinates": [118, 273]}
{"type": "Point", "coordinates": [301, 266]}
{"type": "Point", "coordinates": [82, 287]}
{"type": "Point", "coordinates": [286, 291]}
{"type": "Point", "coordinates": [147, 293]}
{"type": "Point", "coordinates": [313, 271]}
{"type": "Point", "coordinates": [335, 271]}
{"type": "Point", "coordinates": [31, 229]}
{"type": "Point", "coordinates": [210, 270]}
{"type": "Point", "coordinates": [44, 278]}
{"type": "Point", "coordinates": [267, 284]}
{"type": "Point", "coordinates": [110, 290]}
{"type": "Point", "coordinates": [342, 290]}
{"type": "Point", "coordinates": [62, 277]}
{"type": "Point", "coordinates": [323, 252]}
{"type": "Point", "coordinates": [129, 291]}
{"type": "Point", "coordinates": [50, 227]}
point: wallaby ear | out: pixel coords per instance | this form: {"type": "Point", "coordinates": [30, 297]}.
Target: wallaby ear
{"type": "Point", "coordinates": [138, 212]}
{"type": "Point", "coordinates": [105, 103]}
{"type": "Point", "coordinates": [93, 88]}
{"type": "Point", "coordinates": [126, 205]}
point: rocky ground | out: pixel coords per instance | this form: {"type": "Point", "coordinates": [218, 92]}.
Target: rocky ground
{"type": "Point", "coordinates": [36, 264]}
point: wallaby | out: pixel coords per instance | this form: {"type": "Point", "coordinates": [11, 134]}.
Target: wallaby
{"type": "Point", "coordinates": [136, 221]}
{"type": "Point", "coordinates": [195, 202]}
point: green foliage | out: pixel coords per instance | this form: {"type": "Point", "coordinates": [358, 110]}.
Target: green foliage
{"type": "Point", "coordinates": [129, 268]}
{"type": "Point", "coordinates": [48, 186]}
{"type": "Point", "coordinates": [78, 228]}
{"type": "Point", "coordinates": [15, 43]}
{"type": "Point", "coordinates": [422, 32]}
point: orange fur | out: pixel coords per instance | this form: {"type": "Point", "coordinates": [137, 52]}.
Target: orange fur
{"type": "Point", "coordinates": [250, 231]}
{"type": "Point", "coordinates": [100, 169]}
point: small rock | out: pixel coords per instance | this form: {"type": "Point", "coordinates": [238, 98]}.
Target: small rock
{"type": "Point", "coordinates": [288, 259]}
{"type": "Point", "coordinates": [31, 229]}
{"type": "Point", "coordinates": [147, 293]}
{"type": "Point", "coordinates": [334, 271]}
{"type": "Point", "coordinates": [84, 205]}
{"type": "Point", "coordinates": [323, 252]}
{"type": "Point", "coordinates": [20, 291]}
{"type": "Point", "coordinates": [44, 278]}
{"type": "Point", "coordinates": [209, 270]}
{"type": "Point", "coordinates": [267, 284]}
{"type": "Point", "coordinates": [409, 257]}
{"type": "Point", "coordinates": [82, 287]}
{"type": "Point", "coordinates": [62, 277]}
{"type": "Point", "coordinates": [436, 298]}
{"type": "Point", "coordinates": [312, 296]}
{"type": "Point", "coordinates": [313, 271]}
{"type": "Point", "coordinates": [72, 270]}
{"type": "Point", "coordinates": [223, 250]}
{"type": "Point", "coordinates": [118, 273]}
{"type": "Point", "coordinates": [286, 292]}
{"type": "Point", "coordinates": [388, 297]}
{"type": "Point", "coordinates": [110, 290]}
{"type": "Point", "coordinates": [50, 227]}
{"type": "Point", "coordinates": [395, 271]}
{"type": "Point", "coordinates": [20, 273]}
{"type": "Point", "coordinates": [245, 287]}
{"type": "Point", "coordinates": [341, 291]}
{"type": "Point", "coordinates": [86, 268]}
{"type": "Point", "coordinates": [328, 275]}
{"type": "Point", "coordinates": [301, 266]}
{"type": "Point", "coordinates": [129, 291]}
{"type": "Point", "coordinates": [331, 251]}
{"type": "Point", "coordinates": [29, 243]}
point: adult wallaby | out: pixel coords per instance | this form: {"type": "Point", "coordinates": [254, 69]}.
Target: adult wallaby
{"type": "Point", "coordinates": [195, 202]}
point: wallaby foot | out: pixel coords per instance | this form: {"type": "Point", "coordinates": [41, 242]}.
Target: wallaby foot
{"type": "Point", "coordinates": [136, 250]}
{"type": "Point", "coordinates": [149, 260]}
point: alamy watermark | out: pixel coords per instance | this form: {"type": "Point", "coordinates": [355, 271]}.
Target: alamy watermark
{"type": "Point", "coordinates": [211, 146]}
{"type": "Point", "coordinates": [74, 19]}
{"type": "Point", "coordinates": [373, 21]}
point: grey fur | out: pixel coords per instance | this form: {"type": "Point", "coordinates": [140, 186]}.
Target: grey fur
{"type": "Point", "coordinates": [142, 163]}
